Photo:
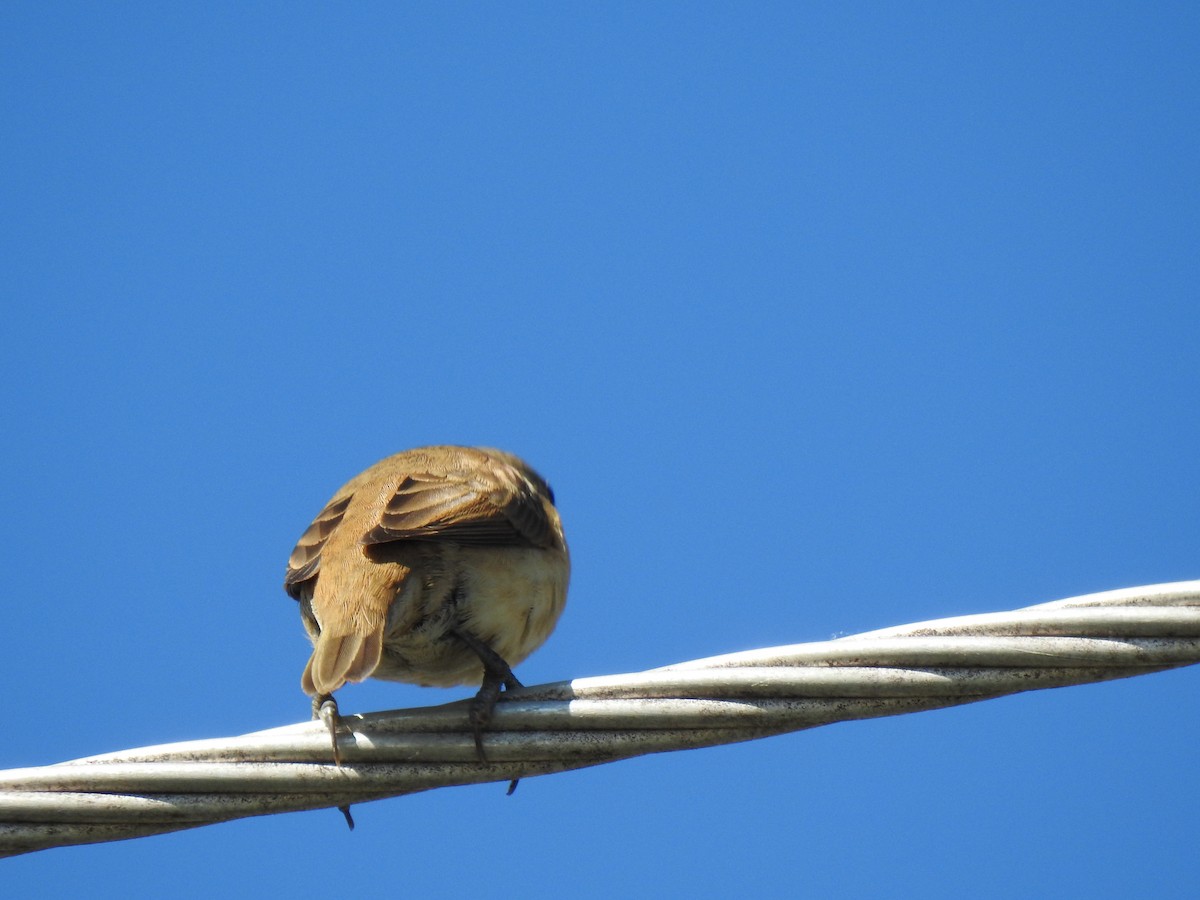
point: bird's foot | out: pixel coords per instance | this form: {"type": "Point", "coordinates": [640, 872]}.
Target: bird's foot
{"type": "Point", "coordinates": [482, 706]}
{"type": "Point", "coordinates": [325, 708]}
{"type": "Point", "coordinates": [497, 674]}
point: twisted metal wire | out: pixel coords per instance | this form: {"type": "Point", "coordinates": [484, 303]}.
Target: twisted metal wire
{"type": "Point", "coordinates": [588, 721]}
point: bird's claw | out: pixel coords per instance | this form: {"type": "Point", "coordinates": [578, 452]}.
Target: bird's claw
{"type": "Point", "coordinates": [325, 708]}
{"type": "Point", "coordinates": [497, 674]}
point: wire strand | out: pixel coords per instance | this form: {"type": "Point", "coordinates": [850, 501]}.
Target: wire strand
{"type": "Point", "coordinates": [551, 728]}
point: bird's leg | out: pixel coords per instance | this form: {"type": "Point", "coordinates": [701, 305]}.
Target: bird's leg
{"type": "Point", "coordinates": [325, 708]}
{"type": "Point", "coordinates": [496, 674]}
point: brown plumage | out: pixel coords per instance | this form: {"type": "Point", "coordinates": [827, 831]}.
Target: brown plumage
{"type": "Point", "coordinates": [438, 566]}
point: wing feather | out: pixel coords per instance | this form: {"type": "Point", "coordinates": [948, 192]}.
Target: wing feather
{"type": "Point", "coordinates": [305, 561]}
{"type": "Point", "coordinates": [497, 506]}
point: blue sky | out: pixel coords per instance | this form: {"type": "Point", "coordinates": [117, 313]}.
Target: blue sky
{"type": "Point", "coordinates": [818, 317]}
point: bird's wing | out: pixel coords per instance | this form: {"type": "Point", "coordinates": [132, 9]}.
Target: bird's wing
{"type": "Point", "coordinates": [305, 561]}
{"type": "Point", "coordinates": [494, 506]}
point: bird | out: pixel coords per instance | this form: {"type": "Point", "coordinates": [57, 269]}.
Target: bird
{"type": "Point", "coordinates": [439, 566]}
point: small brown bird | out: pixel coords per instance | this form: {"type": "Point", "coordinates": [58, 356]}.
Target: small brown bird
{"type": "Point", "coordinates": [437, 566]}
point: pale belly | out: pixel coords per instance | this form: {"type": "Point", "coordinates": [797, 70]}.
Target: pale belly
{"type": "Point", "coordinates": [509, 598]}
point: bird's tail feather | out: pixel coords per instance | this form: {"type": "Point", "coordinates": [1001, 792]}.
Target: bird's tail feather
{"type": "Point", "coordinates": [337, 659]}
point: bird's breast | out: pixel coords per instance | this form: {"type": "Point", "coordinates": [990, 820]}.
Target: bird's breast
{"type": "Point", "coordinates": [508, 597]}
{"type": "Point", "coordinates": [513, 597]}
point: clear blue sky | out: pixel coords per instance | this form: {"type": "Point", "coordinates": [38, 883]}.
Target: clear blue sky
{"type": "Point", "coordinates": [818, 317]}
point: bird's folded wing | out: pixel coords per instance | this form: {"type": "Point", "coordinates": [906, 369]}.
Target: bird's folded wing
{"type": "Point", "coordinates": [496, 508]}
{"type": "Point", "coordinates": [305, 561]}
